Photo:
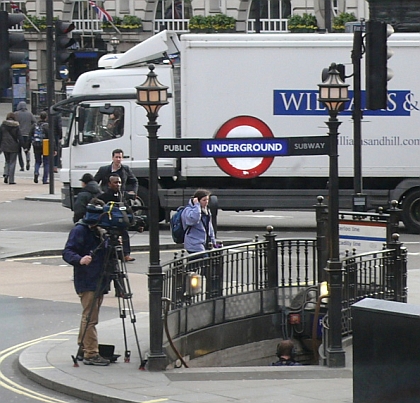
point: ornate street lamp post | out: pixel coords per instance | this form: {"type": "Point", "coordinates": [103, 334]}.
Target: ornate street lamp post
{"type": "Point", "coordinates": [333, 93]}
{"type": "Point", "coordinates": [114, 42]}
{"type": "Point", "coordinates": [152, 95]}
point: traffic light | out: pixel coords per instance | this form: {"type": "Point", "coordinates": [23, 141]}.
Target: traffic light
{"type": "Point", "coordinates": [62, 45]}
{"type": "Point", "coordinates": [377, 72]}
{"type": "Point", "coordinates": [8, 40]}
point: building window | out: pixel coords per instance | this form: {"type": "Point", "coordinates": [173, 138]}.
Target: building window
{"type": "Point", "coordinates": [273, 15]}
{"type": "Point", "coordinates": [334, 7]}
{"type": "Point", "coordinates": [173, 15]}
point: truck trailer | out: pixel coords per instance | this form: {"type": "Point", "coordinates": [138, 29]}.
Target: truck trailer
{"type": "Point", "coordinates": [225, 86]}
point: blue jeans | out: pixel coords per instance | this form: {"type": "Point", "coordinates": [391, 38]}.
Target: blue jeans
{"type": "Point", "coordinates": [44, 161]}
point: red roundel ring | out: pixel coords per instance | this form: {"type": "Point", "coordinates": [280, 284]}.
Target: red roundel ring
{"type": "Point", "coordinates": [224, 163]}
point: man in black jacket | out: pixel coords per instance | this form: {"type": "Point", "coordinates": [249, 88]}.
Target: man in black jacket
{"type": "Point", "coordinates": [90, 190]}
{"type": "Point", "coordinates": [129, 182]}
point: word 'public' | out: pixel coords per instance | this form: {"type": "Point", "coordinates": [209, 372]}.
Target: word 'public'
{"type": "Point", "coordinates": [177, 147]}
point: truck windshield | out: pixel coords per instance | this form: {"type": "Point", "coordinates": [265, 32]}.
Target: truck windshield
{"type": "Point", "coordinates": [101, 123]}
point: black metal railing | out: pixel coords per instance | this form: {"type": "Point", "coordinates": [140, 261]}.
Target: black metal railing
{"type": "Point", "coordinates": [270, 276]}
{"type": "Point", "coordinates": [379, 275]}
{"type": "Point", "coordinates": [242, 268]}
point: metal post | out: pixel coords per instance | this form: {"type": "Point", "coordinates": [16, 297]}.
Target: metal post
{"type": "Point", "coordinates": [327, 14]}
{"type": "Point", "coordinates": [335, 352]}
{"type": "Point", "coordinates": [272, 258]}
{"type": "Point", "coordinates": [398, 269]}
{"type": "Point", "coordinates": [393, 221]}
{"type": "Point", "coordinates": [359, 200]}
{"type": "Point", "coordinates": [157, 358]}
{"type": "Point", "coordinates": [321, 213]}
{"type": "Point", "coordinates": [257, 16]}
{"type": "Point", "coordinates": [50, 90]}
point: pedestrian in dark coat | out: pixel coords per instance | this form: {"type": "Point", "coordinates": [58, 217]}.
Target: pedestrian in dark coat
{"type": "Point", "coordinates": [10, 144]}
{"type": "Point", "coordinates": [129, 182]}
{"type": "Point", "coordinates": [26, 120]}
{"type": "Point", "coordinates": [90, 190]}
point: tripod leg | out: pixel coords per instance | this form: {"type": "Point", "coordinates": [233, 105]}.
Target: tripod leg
{"type": "Point", "coordinates": [130, 309]}
{"type": "Point", "coordinates": [127, 304]}
{"type": "Point", "coordinates": [122, 308]}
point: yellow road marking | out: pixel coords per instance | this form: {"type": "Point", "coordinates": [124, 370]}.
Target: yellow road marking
{"type": "Point", "coordinates": [7, 383]}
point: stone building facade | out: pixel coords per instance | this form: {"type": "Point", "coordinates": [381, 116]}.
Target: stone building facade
{"type": "Point", "coordinates": [93, 39]}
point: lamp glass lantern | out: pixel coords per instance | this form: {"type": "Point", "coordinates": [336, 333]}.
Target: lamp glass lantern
{"type": "Point", "coordinates": [333, 92]}
{"type": "Point", "coordinates": [152, 95]}
{"type": "Point", "coordinates": [114, 43]}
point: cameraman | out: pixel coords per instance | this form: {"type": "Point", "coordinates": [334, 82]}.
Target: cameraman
{"type": "Point", "coordinates": [114, 194]}
{"type": "Point", "coordinates": [83, 252]}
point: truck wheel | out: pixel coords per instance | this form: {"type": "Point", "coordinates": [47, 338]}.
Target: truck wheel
{"type": "Point", "coordinates": [143, 195]}
{"type": "Point", "coordinates": [411, 212]}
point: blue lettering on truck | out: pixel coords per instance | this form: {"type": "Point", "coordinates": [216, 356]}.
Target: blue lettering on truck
{"type": "Point", "coordinates": [305, 103]}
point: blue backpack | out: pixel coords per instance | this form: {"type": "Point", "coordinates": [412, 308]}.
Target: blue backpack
{"type": "Point", "coordinates": [177, 229]}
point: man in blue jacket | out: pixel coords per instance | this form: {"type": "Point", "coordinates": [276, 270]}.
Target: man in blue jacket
{"type": "Point", "coordinates": [85, 253]}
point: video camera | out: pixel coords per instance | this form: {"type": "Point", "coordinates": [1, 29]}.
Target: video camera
{"type": "Point", "coordinates": [115, 216]}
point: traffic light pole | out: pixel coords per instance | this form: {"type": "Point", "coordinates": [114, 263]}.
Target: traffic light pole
{"type": "Point", "coordinates": [359, 200]}
{"type": "Point", "coordinates": [50, 90]}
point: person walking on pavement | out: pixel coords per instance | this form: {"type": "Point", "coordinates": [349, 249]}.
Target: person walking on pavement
{"type": "Point", "coordinates": [90, 190]}
{"type": "Point", "coordinates": [58, 136]}
{"type": "Point", "coordinates": [26, 120]}
{"type": "Point", "coordinates": [129, 182]}
{"type": "Point", "coordinates": [40, 132]}
{"type": "Point", "coordinates": [84, 253]}
{"type": "Point", "coordinates": [10, 144]}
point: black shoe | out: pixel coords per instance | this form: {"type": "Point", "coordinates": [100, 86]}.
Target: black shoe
{"type": "Point", "coordinates": [45, 183]}
{"type": "Point", "coordinates": [6, 179]}
{"type": "Point", "coordinates": [28, 167]}
{"type": "Point", "coordinates": [36, 178]}
{"type": "Point", "coordinates": [21, 169]}
{"type": "Point", "coordinates": [12, 183]}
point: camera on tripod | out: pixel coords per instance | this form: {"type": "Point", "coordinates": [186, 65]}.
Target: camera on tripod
{"type": "Point", "coordinates": [114, 216]}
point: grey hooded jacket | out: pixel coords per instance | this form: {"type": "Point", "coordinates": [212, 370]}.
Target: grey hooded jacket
{"type": "Point", "coordinates": [25, 118]}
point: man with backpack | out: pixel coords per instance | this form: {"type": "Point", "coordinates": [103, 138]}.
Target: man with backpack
{"type": "Point", "coordinates": [37, 135]}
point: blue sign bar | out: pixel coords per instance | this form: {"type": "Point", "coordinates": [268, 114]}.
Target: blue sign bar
{"type": "Point", "coordinates": [245, 147]}
{"type": "Point", "coordinates": [305, 103]}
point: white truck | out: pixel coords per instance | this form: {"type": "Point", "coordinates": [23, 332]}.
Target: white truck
{"type": "Point", "coordinates": [248, 85]}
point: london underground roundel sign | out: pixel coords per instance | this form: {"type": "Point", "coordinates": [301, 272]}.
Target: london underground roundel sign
{"type": "Point", "coordinates": [240, 127]}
